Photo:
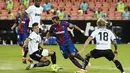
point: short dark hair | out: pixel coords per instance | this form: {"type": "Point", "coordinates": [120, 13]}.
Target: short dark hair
{"type": "Point", "coordinates": [55, 17]}
{"type": "Point", "coordinates": [34, 24]}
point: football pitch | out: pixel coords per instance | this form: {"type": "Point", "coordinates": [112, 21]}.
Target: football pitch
{"type": "Point", "coordinates": [10, 61]}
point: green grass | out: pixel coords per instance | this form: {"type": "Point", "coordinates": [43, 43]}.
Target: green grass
{"type": "Point", "coordinates": [10, 61]}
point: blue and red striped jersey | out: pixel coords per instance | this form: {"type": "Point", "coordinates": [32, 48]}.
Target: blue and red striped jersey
{"type": "Point", "coordinates": [24, 22]}
{"type": "Point", "coordinates": [60, 31]}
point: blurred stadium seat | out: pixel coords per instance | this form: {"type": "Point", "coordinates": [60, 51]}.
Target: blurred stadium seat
{"type": "Point", "coordinates": [71, 8]}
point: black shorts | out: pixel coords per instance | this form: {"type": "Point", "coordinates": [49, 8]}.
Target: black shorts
{"type": "Point", "coordinates": [36, 55]}
{"type": "Point", "coordinates": [103, 53]}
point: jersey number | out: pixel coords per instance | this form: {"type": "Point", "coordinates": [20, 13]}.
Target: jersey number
{"type": "Point", "coordinates": [103, 36]}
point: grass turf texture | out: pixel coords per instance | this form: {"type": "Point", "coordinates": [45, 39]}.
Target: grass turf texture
{"type": "Point", "coordinates": [10, 61]}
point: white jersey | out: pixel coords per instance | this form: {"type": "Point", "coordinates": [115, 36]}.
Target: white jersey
{"type": "Point", "coordinates": [34, 14]}
{"type": "Point", "coordinates": [33, 44]}
{"type": "Point", "coordinates": [103, 38]}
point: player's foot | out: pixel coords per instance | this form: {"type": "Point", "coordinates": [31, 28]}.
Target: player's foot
{"type": "Point", "coordinates": [123, 72]}
{"type": "Point", "coordinates": [30, 67]}
{"type": "Point", "coordinates": [24, 60]}
{"type": "Point", "coordinates": [81, 71]}
{"type": "Point", "coordinates": [56, 68]}
{"type": "Point", "coordinates": [30, 60]}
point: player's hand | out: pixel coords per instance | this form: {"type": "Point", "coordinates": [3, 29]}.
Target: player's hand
{"type": "Point", "coordinates": [46, 40]}
{"type": "Point", "coordinates": [82, 31]}
{"type": "Point", "coordinates": [116, 52]}
{"type": "Point", "coordinates": [12, 28]}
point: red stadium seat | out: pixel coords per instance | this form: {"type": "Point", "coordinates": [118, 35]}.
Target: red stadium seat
{"type": "Point", "coordinates": [73, 17]}
{"type": "Point", "coordinates": [118, 17]}
{"type": "Point", "coordinates": [111, 18]}
{"type": "Point", "coordinates": [88, 18]}
{"type": "Point", "coordinates": [4, 17]}
{"type": "Point", "coordinates": [81, 17]}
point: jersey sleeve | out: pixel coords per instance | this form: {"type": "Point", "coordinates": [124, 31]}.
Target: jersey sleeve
{"type": "Point", "coordinates": [112, 36]}
{"type": "Point", "coordinates": [32, 36]}
{"type": "Point", "coordinates": [42, 8]}
{"type": "Point", "coordinates": [93, 34]}
{"type": "Point", "coordinates": [51, 29]}
{"type": "Point", "coordinates": [67, 24]}
{"type": "Point", "coordinates": [29, 10]}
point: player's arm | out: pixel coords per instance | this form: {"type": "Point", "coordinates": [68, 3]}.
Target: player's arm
{"type": "Point", "coordinates": [47, 36]}
{"type": "Point", "coordinates": [14, 25]}
{"type": "Point", "coordinates": [49, 33]}
{"type": "Point", "coordinates": [26, 42]}
{"type": "Point", "coordinates": [77, 28]}
{"type": "Point", "coordinates": [115, 46]}
{"type": "Point", "coordinates": [113, 38]}
{"type": "Point", "coordinates": [86, 43]}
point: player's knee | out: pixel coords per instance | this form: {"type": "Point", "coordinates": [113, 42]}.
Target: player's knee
{"type": "Point", "coordinates": [71, 55]}
{"type": "Point", "coordinates": [47, 63]}
{"type": "Point", "coordinates": [43, 59]}
{"type": "Point", "coordinates": [50, 52]}
{"type": "Point", "coordinates": [42, 64]}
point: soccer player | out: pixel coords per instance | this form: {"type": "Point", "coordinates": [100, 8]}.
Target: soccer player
{"type": "Point", "coordinates": [60, 31]}
{"type": "Point", "coordinates": [103, 37]}
{"type": "Point", "coordinates": [39, 54]}
{"type": "Point", "coordinates": [34, 13]}
{"type": "Point", "coordinates": [22, 34]}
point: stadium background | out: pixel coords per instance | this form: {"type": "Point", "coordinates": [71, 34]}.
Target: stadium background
{"type": "Point", "coordinates": [10, 56]}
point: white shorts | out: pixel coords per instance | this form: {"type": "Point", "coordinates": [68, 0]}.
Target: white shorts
{"type": "Point", "coordinates": [44, 52]}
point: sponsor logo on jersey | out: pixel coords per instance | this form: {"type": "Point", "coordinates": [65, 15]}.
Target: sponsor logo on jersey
{"type": "Point", "coordinates": [36, 14]}
{"type": "Point", "coordinates": [60, 32]}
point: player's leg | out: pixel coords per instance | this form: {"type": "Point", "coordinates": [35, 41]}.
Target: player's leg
{"type": "Point", "coordinates": [24, 36]}
{"type": "Point", "coordinates": [20, 42]}
{"type": "Point", "coordinates": [42, 61]}
{"type": "Point", "coordinates": [74, 51]}
{"type": "Point", "coordinates": [111, 57]}
{"type": "Point", "coordinates": [24, 49]}
{"type": "Point", "coordinates": [92, 54]}
{"type": "Point", "coordinates": [65, 52]}
{"type": "Point", "coordinates": [84, 64]}
{"type": "Point", "coordinates": [52, 54]}
{"type": "Point", "coordinates": [75, 62]}
{"type": "Point", "coordinates": [119, 66]}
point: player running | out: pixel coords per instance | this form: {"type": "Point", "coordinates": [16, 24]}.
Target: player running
{"type": "Point", "coordinates": [103, 39]}
{"type": "Point", "coordinates": [39, 54]}
{"type": "Point", "coordinates": [59, 30]}
{"type": "Point", "coordinates": [22, 34]}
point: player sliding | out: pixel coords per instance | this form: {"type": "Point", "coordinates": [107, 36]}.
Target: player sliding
{"type": "Point", "coordinates": [39, 54]}
{"type": "Point", "coordinates": [59, 30]}
{"type": "Point", "coordinates": [103, 38]}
